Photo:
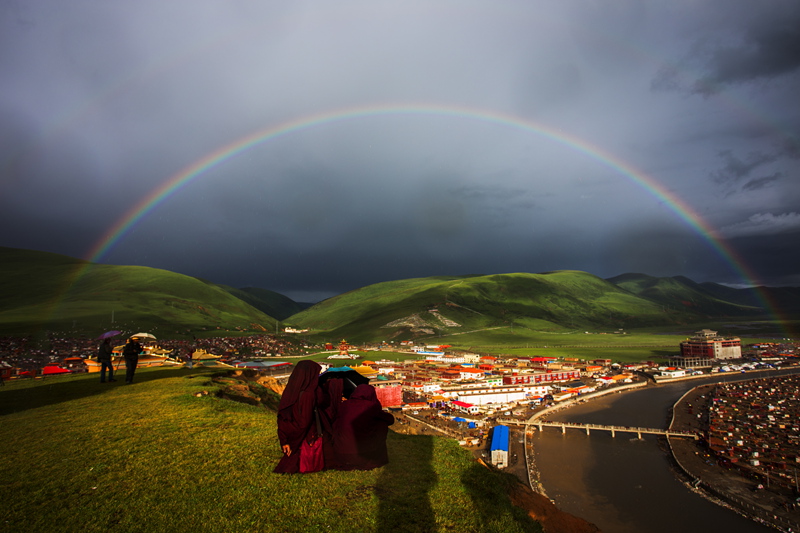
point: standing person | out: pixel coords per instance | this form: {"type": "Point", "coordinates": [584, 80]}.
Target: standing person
{"type": "Point", "coordinates": [360, 431]}
{"type": "Point", "coordinates": [104, 358]}
{"type": "Point", "coordinates": [131, 353]}
{"type": "Point", "coordinates": [296, 414]}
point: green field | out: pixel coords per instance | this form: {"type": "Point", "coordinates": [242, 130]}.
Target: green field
{"type": "Point", "coordinates": [632, 346]}
{"type": "Point", "coordinates": [78, 455]}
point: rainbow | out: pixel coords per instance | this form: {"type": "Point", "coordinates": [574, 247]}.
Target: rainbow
{"type": "Point", "coordinates": [225, 153]}
{"type": "Point", "coordinates": [229, 151]}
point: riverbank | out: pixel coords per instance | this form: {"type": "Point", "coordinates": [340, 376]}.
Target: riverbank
{"type": "Point", "coordinates": [723, 486]}
{"type": "Point", "coordinates": [535, 503]}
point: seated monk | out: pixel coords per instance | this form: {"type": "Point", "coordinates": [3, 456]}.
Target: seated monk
{"type": "Point", "coordinates": [359, 431]}
{"type": "Point", "coordinates": [296, 414]}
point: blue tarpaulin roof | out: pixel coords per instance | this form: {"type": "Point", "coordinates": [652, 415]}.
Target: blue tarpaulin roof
{"type": "Point", "coordinates": [459, 419]}
{"type": "Point", "coordinates": [500, 438]}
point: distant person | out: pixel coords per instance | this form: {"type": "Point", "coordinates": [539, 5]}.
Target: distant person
{"type": "Point", "coordinates": [359, 432]}
{"type": "Point", "coordinates": [131, 353]}
{"type": "Point", "coordinates": [296, 414]}
{"type": "Point", "coordinates": [189, 360]}
{"type": "Point", "coordinates": [104, 354]}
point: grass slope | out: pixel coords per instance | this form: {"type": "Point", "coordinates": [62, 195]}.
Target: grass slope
{"type": "Point", "coordinates": [553, 301]}
{"type": "Point", "coordinates": [784, 299]}
{"type": "Point", "coordinates": [681, 293]}
{"type": "Point", "coordinates": [268, 302]}
{"type": "Point", "coordinates": [78, 455]}
{"type": "Point", "coordinates": [58, 292]}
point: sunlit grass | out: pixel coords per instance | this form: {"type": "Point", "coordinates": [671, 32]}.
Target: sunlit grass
{"type": "Point", "coordinates": [78, 455]}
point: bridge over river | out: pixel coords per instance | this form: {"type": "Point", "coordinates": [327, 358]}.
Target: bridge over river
{"type": "Point", "coordinates": [613, 429]}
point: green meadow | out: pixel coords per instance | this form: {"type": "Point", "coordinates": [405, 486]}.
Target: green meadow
{"type": "Point", "coordinates": [632, 346]}
{"type": "Point", "coordinates": [43, 291]}
{"type": "Point", "coordinates": [169, 454]}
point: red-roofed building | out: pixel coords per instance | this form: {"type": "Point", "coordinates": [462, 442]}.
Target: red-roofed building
{"type": "Point", "coordinates": [464, 407]}
{"type": "Point", "coordinates": [449, 375]}
{"type": "Point", "coordinates": [471, 373]}
{"type": "Point", "coordinates": [542, 377]}
{"type": "Point", "coordinates": [53, 368]}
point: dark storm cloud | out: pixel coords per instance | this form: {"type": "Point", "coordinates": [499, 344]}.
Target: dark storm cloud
{"type": "Point", "coordinates": [762, 224]}
{"type": "Point", "coordinates": [769, 49]}
{"type": "Point", "coordinates": [746, 44]}
{"type": "Point", "coordinates": [735, 168]}
{"type": "Point", "coordinates": [760, 183]}
{"type": "Point", "coordinates": [523, 136]}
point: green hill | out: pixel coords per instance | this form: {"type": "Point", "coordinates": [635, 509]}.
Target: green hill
{"type": "Point", "coordinates": [681, 293]}
{"type": "Point", "coordinates": [785, 299]}
{"type": "Point", "coordinates": [553, 301]}
{"type": "Point", "coordinates": [44, 290]}
{"type": "Point", "coordinates": [169, 454]}
{"type": "Point", "coordinates": [268, 302]}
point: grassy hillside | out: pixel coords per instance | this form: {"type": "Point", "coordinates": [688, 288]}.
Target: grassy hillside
{"type": "Point", "coordinates": [268, 302]}
{"type": "Point", "coordinates": [682, 293]}
{"type": "Point", "coordinates": [554, 301]}
{"type": "Point", "coordinates": [166, 454]}
{"type": "Point", "coordinates": [785, 300]}
{"type": "Point", "coordinates": [56, 292]}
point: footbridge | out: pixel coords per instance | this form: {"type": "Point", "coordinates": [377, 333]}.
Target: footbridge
{"type": "Point", "coordinates": [613, 429]}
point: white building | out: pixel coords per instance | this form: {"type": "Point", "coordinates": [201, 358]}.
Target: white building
{"type": "Point", "coordinates": [472, 358]}
{"type": "Point", "coordinates": [431, 386]}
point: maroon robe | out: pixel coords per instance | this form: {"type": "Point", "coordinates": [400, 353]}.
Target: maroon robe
{"type": "Point", "coordinates": [359, 432]}
{"type": "Point", "coordinates": [333, 392]}
{"type": "Point", "coordinates": [296, 413]}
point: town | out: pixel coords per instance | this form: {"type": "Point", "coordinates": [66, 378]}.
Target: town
{"type": "Point", "coordinates": [436, 389]}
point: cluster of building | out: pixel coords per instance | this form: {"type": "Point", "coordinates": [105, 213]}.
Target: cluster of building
{"type": "Point", "coordinates": [476, 385]}
{"type": "Point", "coordinates": [753, 426]}
{"type": "Point", "coordinates": [26, 356]}
{"type": "Point", "coordinates": [716, 353]}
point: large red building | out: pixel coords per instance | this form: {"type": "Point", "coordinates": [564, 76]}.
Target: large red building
{"type": "Point", "coordinates": [541, 377]}
{"type": "Point", "coordinates": [707, 344]}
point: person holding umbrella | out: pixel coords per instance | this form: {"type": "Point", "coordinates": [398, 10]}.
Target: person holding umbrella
{"type": "Point", "coordinates": [131, 353]}
{"type": "Point", "coordinates": [104, 358]}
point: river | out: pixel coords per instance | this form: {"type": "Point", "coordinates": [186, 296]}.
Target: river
{"type": "Point", "coordinates": [623, 484]}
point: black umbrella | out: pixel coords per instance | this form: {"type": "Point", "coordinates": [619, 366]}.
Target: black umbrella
{"type": "Point", "coordinates": [350, 377]}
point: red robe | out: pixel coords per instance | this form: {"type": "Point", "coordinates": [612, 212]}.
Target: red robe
{"type": "Point", "coordinates": [359, 432]}
{"type": "Point", "coordinates": [296, 413]}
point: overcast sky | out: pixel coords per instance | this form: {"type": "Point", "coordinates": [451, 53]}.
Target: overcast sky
{"type": "Point", "coordinates": [102, 103]}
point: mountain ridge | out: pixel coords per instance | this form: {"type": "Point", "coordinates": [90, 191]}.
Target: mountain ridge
{"type": "Point", "coordinates": [94, 294]}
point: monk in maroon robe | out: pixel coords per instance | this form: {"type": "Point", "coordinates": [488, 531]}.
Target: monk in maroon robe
{"type": "Point", "coordinates": [333, 395]}
{"type": "Point", "coordinates": [359, 431]}
{"type": "Point", "coordinates": [296, 413]}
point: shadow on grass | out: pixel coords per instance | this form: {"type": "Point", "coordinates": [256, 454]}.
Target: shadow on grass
{"type": "Point", "coordinates": [16, 397]}
{"type": "Point", "coordinates": [404, 485]}
{"type": "Point", "coordinates": [490, 495]}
